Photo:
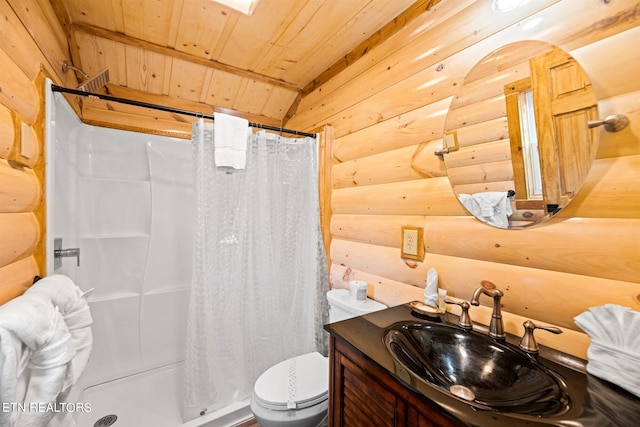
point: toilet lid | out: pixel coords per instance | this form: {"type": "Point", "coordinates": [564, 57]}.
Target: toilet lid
{"type": "Point", "coordinates": [296, 383]}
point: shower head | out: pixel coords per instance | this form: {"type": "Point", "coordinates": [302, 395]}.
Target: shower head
{"type": "Point", "coordinates": [95, 82]}
{"type": "Point", "coordinates": [90, 84]}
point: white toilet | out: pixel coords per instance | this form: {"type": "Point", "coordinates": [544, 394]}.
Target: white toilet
{"type": "Point", "coordinates": [304, 401]}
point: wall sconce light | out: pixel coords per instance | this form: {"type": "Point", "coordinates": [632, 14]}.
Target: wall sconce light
{"type": "Point", "coordinates": [449, 144]}
{"type": "Point", "coordinates": [244, 6]}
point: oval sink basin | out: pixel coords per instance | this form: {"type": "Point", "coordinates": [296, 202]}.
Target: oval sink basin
{"type": "Point", "coordinates": [474, 367]}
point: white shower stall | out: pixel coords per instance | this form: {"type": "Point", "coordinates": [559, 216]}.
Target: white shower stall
{"type": "Point", "coordinates": [124, 199]}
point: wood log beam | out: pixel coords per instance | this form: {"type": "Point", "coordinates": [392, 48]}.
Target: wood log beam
{"type": "Point", "coordinates": [115, 115]}
{"type": "Point", "coordinates": [173, 53]}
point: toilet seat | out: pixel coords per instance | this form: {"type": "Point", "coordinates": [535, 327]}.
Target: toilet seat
{"type": "Point", "coordinates": [296, 383]}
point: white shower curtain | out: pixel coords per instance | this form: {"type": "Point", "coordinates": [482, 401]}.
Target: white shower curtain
{"type": "Point", "coordinates": [260, 271]}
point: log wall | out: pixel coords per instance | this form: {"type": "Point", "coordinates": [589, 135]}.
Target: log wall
{"type": "Point", "coordinates": [388, 111]}
{"type": "Point", "coordinates": [32, 45]}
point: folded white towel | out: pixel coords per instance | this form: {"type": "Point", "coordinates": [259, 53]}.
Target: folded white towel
{"type": "Point", "coordinates": [230, 140]}
{"type": "Point", "coordinates": [614, 352]}
{"type": "Point", "coordinates": [69, 299]}
{"type": "Point", "coordinates": [37, 348]}
{"type": "Point", "coordinates": [492, 207]}
{"type": "Point", "coordinates": [49, 370]}
{"type": "Point", "coordinates": [431, 288]}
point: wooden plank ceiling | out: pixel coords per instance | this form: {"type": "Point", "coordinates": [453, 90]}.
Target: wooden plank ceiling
{"type": "Point", "coordinates": [203, 52]}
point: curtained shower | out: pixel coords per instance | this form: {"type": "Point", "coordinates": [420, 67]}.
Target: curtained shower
{"type": "Point", "coordinates": [125, 199]}
{"type": "Point", "coordinates": [260, 271]}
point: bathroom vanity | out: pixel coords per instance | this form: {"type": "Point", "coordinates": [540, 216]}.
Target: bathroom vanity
{"type": "Point", "coordinates": [371, 387]}
{"type": "Point", "coordinates": [362, 394]}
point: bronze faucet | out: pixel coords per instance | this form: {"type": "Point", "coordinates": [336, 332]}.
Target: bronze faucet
{"type": "Point", "coordinates": [496, 328]}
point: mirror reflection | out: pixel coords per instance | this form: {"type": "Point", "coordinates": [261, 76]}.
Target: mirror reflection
{"type": "Point", "coordinates": [516, 139]}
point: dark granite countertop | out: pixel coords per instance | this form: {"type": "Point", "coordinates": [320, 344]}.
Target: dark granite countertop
{"type": "Point", "coordinates": [594, 402]}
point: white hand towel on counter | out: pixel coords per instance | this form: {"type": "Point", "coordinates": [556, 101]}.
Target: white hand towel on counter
{"type": "Point", "coordinates": [614, 351]}
{"type": "Point", "coordinates": [230, 135]}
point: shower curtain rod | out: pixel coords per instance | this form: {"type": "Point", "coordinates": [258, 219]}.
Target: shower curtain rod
{"type": "Point", "coordinates": [56, 88]}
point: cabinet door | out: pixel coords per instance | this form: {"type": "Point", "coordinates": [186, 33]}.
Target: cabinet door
{"type": "Point", "coordinates": [361, 394]}
{"type": "Point", "coordinates": [364, 401]}
{"type": "Point", "coordinates": [416, 418]}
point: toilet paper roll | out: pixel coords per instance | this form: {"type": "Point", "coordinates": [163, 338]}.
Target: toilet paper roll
{"type": "Point", "coordinates": [358, 291]}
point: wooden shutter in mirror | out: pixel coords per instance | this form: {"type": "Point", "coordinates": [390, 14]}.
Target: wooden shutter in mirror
{"type": "Point", "coordinates": [564, 103]}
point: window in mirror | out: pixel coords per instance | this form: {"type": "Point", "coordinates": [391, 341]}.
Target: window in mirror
{"type": "Point", "coordinates": [530, 145]}
{"type": "Point", "coordinates": [525, 156]}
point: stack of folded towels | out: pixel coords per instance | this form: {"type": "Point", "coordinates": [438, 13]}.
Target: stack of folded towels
{"type": "Point", "coordinates": [45, 343]}
{"type": "Point", "coordinates": [614, 352]}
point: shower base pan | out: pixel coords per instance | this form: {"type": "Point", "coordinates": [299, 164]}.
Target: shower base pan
{"type": "Point", "coordinates": [150, 399]}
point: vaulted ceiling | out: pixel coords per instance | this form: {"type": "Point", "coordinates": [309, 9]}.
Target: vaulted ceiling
{"type": "Point", "coordinates": [201, 51]}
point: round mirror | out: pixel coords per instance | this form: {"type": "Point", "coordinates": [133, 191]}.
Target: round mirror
{"type": "Point", "coordinates": [517, 147]}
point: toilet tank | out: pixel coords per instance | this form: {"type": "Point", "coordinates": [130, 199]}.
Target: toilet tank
{"type": "Point", "coordinates": [341, 307]}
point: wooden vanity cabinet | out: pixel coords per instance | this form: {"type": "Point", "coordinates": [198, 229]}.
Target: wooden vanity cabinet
{"type": "Point", "coordinates": [361, 394]}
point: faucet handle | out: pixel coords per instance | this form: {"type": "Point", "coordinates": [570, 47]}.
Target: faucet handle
{"type": "Point", "coordinates": [72, 252]}
{"type": "Point", "coordinates": [528, 342]}
{"type": "Point", "coordinates": [464, 321]}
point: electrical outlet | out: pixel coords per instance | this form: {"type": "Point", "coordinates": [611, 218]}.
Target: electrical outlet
{"type": "Point", "coordinates": [410, 242]}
